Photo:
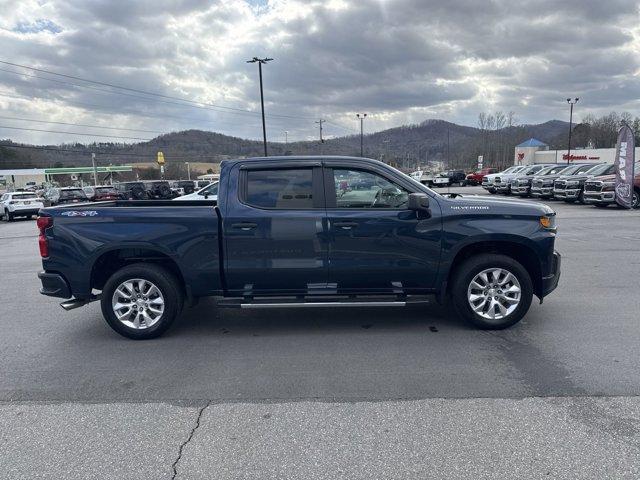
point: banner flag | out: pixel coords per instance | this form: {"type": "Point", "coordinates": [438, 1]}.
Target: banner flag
{"type": "Point", "coordinates": [625, 152]}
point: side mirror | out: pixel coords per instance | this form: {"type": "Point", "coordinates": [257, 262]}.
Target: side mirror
{"type": "Point", "coordinates": [418, 202]}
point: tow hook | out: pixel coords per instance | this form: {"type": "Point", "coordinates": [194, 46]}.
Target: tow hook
{"type": "Point", "coordinates": [77, 303]}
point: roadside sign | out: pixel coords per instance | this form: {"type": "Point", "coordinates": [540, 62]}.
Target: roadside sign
{"type": "Point", "coordinates": [480, 160]}
{"type": "Point", "coordinates": [160, 158]}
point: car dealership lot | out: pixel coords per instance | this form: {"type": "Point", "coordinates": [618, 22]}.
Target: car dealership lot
{"type": "Point", "coordinates": [333, 393]}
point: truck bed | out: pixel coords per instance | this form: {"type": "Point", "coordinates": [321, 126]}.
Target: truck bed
{"type": "Point", "coordinates": [86, 238]}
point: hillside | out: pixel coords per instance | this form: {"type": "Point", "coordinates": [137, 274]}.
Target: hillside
{"type": "Point", "coordinates": [404, 146]}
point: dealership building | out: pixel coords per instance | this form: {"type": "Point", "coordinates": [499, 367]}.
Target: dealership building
{"type": "Point", "coordinates": [534, 151]}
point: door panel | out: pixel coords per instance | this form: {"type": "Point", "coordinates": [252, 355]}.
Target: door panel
{"type": "Point", "coordinates": [274, 238]}
{"type": "Point", "coordinates": [376, 243]}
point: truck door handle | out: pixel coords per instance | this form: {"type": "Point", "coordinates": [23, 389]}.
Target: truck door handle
{"type": "Point", "coordinates": [244, 225]}
{"type": "Point", "coordinates": [345, 225]}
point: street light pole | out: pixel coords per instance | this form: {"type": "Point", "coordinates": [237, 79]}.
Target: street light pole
{"type": "Point", "coordinates": [260, 61]}
{"type": "Point", "coordinates": [188, 171]}
{"type": "Point", "coordinates": [571, 104]}
{"type": "Point", "coordinates": [361, 117]}
{"type": "Point", "coordinates": [95, 169]}
{"type": "Point", "coordinates": [286, 137]}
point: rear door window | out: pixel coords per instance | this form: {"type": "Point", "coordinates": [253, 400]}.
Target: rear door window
{"type": "Point", "coordinates": [285, 189]}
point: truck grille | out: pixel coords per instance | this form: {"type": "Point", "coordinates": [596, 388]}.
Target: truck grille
{"type": "Point", "coordinates": [537, 183]}
{"type": "Point", "coordinates": [560, 185]}
{"type": "Point", "coordinates": [497, 180]}
{"type": "Point", "coordinates": [593, 186]}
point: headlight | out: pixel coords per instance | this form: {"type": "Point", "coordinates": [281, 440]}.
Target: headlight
{"type": "Point", "coordinates": [573, 183]}
{"type": "Point", "coordinates": [548, 222]}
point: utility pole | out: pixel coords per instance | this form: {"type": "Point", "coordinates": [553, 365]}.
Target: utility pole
{"type": "Point", "coordinates": [95, 169]}
{"type": "Point", "coordinates": [188, 171]}
{"type": "Point", "coordinates": [260, 61]}
{"type": "Point", "coordinates": [320, 122]}
{"type": "Point", "coordinates": [571, 104]}
{"type": "Point", "coordinates": [361, 117]}
{"type": "Point", "coordinates": [286, 137]}
{"type": "Point", "coordinates": [448, 159]}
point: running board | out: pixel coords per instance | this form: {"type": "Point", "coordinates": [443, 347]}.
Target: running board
{"type": "Point", "coordinates": [315, 302]}
{"type": "Point", "coordinates": [322, 304]}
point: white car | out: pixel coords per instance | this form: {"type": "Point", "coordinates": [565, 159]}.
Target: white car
{"type": "Point", "coordinates": [19, 204]}
{"type": "Point", "coordinates": [210, 192]}
{"type": "Point", "coordinates": [488, 180]}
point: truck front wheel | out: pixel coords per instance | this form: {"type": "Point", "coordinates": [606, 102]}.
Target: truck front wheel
{"type": "Point", "coordinates": [141, 301]}
{"type": "Point", "coordinates": [491, 291]}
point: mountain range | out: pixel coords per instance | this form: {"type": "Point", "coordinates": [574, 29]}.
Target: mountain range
{"type": "Point", "coordinates": [404, 146]}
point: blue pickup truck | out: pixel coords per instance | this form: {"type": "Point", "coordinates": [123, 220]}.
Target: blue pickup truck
{"type": "Point", "coordinates": [300, 232]}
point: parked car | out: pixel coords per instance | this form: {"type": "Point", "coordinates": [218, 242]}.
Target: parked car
{"type": "Point", "coordinates": [131, 191]}
{"type": "Point", "coordinates": [542, 185]}
{"type": "Point", "coordinates": [504, 182]}
{"type": "Point", "coordinates": [281, 236]}
{"type": "Point", "coordinates": [19, 204]}
{"type": "Point", "coordinates": [424, 176]}
{"type": "Point", "coordinates": [159, 190]}
{"type": "Point", "coordinates": [488, 180]}
{"type": "Point", "coordinates": [449, 178]}
{"type": "Point", "coordinates": [100, 193]}
{"type": "Point", "coordinates": [61, 196]}
{"type": "Point", "coordinates": [600, 191]}
{"type": "Point", "coordinates": [571, 187]}
{"type": "Point", "coordinates": [182, 187]}
{"type": "Point", "coordinates": [521, 185]}
{"type": "Point", "coordinates": [210, 192]}
{"type": "Point", "coordinates": [476, 177]}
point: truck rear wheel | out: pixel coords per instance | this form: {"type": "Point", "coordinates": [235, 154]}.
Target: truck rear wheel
{"type": "Point", "coordinates": [141, 301]}
{"type": "Point", "coordinates": [491, 291]}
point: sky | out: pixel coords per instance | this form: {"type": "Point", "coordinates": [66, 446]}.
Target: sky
{"type": "Point", "coordinates": [399, 61]}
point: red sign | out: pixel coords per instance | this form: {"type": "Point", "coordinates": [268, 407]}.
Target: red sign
{"type": "Point", "coordinates": [520, 156]}
{"type": "Point", "coordinates": [578, 157]}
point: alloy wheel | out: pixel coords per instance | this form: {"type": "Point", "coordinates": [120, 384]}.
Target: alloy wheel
{"type": "Point", "coordinates": [494, 293]}
{"type": "Point", "coordinates": [138, 303]}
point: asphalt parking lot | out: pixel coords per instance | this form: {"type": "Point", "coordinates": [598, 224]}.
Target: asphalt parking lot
{"type": "Point", "coordinates": [372, 393]}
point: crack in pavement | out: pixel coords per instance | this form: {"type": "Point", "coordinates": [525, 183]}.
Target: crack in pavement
{"type": "Point", "coordinates": [174, 467]}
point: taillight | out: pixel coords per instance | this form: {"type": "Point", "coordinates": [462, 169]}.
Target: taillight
{"type": "Point", "coordinates": [43, 223]}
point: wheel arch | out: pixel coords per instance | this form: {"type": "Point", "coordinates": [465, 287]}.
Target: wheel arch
{"type": "Point", "coordinates": [109, 262]}
{"type": "Point", "coordinates": [522, 253]}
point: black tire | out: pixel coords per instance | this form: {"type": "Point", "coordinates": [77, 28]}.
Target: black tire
{"type": "Point", "coordinates": [467, 271]}
{"type": "Point", "coordinates": [492, 192]}
{"type": "Point", "coordinates": [635, 202]}
{"type": "Point", "coordinates": [9, 216]}
{"type": "Point", "coordinates": [163, 280]}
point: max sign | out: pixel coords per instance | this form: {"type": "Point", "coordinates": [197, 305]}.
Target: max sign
{"type": "Point", "coordinates": [625, 149]}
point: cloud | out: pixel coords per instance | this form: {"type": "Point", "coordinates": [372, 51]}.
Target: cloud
{"type": "Point", "coordinates": [400, 61]}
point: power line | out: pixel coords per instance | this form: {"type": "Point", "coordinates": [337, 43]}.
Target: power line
{"type": "Point", "coordinates": [341, 126]}
{"type": "Point", "coordinates": [88, 151]}
{"type": "Point", "coordinates": [81, 125]}
{"type": "Point", "coordinates": [135, 112]}
{"type": "Point", "coordinates": [74, 133]}
{"type": "Point", "coordinates": [154, 94]}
